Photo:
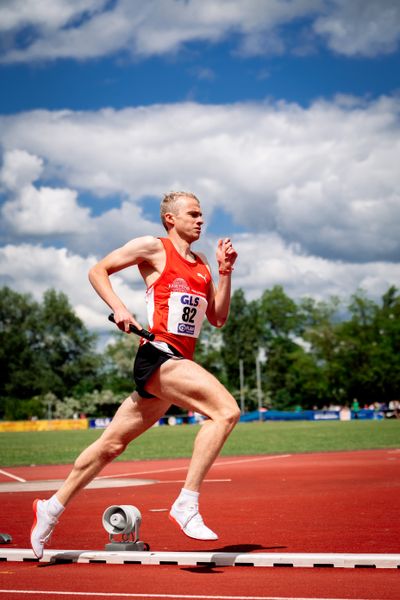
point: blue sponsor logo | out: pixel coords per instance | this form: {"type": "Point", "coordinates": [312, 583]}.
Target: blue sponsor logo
{"type": "Point", "coordinates": [185, 328]}
{"type": "Point", "coordinates": [190, 300]}
{"type": "Point", "coordinates": [99, 423]}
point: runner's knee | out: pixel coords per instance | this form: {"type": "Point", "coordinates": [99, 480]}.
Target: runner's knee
{"type": "Point", "coordinates": [112, 448]}
{"type": "Point", "coordinates": [230, 415]}
{"type": "Point", "coordinates": [235, 415]}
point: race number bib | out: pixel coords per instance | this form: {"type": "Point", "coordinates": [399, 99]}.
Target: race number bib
{"type": "Point", "coordinates": [186, 313]}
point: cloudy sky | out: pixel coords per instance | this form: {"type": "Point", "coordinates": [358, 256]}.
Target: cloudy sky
{"type": "Point", "coordinates": [281, 115]}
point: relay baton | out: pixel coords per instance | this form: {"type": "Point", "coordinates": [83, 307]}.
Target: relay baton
{"type": "Point", "coordinates": [141, 332]}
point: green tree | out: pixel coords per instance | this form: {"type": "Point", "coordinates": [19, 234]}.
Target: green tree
{"type": "Point", "coordinates": [241, 341]}
{"type": "Point", "coordinates": [208, 351]}
{"type": "Point", "coordinates": [103, 403]}
{"type": "Point", "coordinates": [306, 382]}
{"type": "Point", "coordinates": [319, 373]}
{"type": "Point", "coordinates": [280, 316]}
{"type": "Point", "coordinates": [369, 346]}
{"type": "Point", "coordinates": [67, 348]}
{"type": "Point", "coordinates": [19, 363]}
{"type": "Point", "coordinates": [388, 345]}
{"type": "Point", "coordinates": [280, 322]}
{"type": "Point", "coordinates": [44, 348]}
{"type": "Point", "coordinates": [118, 363]}
{"type": "Point", "coordinates": [314, 358]}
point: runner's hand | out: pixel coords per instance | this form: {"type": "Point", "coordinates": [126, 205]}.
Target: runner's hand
{"type": "Point", "coordinates": [226, 254]}
{"type": "Point", "coordinates": [123, 318]}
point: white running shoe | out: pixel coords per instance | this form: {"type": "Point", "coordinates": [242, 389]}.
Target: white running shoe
{"type": "Point", "coordinates": [190, 521]}
{"type": "Point", "coordinates": [42, 527]}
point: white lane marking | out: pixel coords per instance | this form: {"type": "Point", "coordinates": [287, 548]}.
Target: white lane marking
{"type": "Point", "coordinates": [172, 596]}
{"type": "Point", "coordinates": [7, 474]}
{"type": "Point", "coordinates": [54, 484]}
{"type": "Point", "coordinates": [98, 483]}
{"type": "Point", "coordinates": [184, 468]}
{"type": "Point", "coordinates": [246, 460]}
{"type": "Point", "coordinates": [205, 481]}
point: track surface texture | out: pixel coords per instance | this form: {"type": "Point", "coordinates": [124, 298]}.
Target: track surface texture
{"type": "Point", "coordinates": [338, 502]}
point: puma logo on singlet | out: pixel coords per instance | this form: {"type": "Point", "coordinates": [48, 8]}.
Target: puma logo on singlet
{"type": "Point", "coordinates": [202, 276]}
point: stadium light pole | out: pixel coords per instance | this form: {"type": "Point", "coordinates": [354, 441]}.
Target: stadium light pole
{"type": "Point", "coordinates": [241, 379]}
{"type": "Point", "coordinates": [259, 393]}
{"type": "Point", "coordinates": [261, 357]}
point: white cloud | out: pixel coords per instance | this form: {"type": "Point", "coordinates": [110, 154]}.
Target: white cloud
{"type": "Point", "coordinates": [44, 211]}
{"type": "Point", "coordinates": [361, 27]}
{"type": "Point", "coordinates": [94, 28]}
{"type": "Point", "coordinates": [37, 211]}
{"type": "Point", "coordinates": [264, 260]}
{"type": "Point", "coordinates": [48, 212]}
{"type": "Point", "coordinates": [315, 189]}
{"type": "Point", "coordinates": [33, 269]}
{"type": "Point", "coordinates": [141, 28]}
{"type": "Point", "coordinates": [46, 14]}
{"type": "Point", "coordinates": [19, 169]}
{"type": "Point", "coordinates": [115, 227]}
{"type": "Point", "coordinates": [325, 177]}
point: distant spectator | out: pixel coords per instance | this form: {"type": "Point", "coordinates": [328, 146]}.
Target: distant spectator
{"type": "Point", "coordinates": [355, 407]}
{"type": "Point", "coordinates": [394, 409]}
{"type": "Point", "coordinates": [345, 413]}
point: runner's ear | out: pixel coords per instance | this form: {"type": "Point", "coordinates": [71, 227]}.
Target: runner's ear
{"type": "Point", "coordinates": [169, 218]}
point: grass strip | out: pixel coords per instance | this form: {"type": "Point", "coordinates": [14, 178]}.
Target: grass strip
{"type": "Point", "coordinates": [62, 447]}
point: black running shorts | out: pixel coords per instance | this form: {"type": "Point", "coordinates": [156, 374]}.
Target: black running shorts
{"type": "Point", "coordinates": [148, 359]}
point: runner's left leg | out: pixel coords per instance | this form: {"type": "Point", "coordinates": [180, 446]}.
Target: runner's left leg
{"type": "Point", "coordinates": [188, 385]}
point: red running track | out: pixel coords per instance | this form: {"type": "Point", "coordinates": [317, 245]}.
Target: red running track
{"type": "Point", "coordinates": [327, 502]}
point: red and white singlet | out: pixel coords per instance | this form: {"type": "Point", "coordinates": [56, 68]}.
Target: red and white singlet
{"type": "Point", "coordinates": [177, 301]}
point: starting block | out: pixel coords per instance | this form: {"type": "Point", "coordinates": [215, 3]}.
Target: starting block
{"type": "Point", "coordinates": [123, 521]}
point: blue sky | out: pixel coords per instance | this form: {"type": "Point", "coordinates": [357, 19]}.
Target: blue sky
{"type": "Point", "coordinates": [283, 116]}
{"type": "Point", "coordinates": [203, 72]}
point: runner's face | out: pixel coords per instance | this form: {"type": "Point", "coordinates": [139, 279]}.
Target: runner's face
{"type": "Point", "coordinates": [188, 219]}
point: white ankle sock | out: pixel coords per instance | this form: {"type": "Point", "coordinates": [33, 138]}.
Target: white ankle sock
{"type": "Point", "coordinates": [54, 506]}
{"type": "Point", "coordinates": [187, 496]}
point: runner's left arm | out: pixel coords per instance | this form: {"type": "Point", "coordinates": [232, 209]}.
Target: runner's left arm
{"type": "Point", "coordinates": [220, 296]}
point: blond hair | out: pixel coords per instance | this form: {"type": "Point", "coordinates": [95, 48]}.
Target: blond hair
{"type": "Point", "coordinates": [169, 202]}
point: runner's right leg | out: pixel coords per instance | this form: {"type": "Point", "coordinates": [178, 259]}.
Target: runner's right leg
{"type": "Point", "coordinates": [134, 416]}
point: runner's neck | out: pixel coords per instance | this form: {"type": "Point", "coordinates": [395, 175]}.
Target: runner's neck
{"type": "Point", "coordinates": [183, 249]}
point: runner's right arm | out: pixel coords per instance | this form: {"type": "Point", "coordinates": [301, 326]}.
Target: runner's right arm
{"type": "Point", "coordinates": [135, 252]}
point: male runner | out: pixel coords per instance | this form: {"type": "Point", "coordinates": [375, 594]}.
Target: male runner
{"type": "Point", "coordinates": [180, 292]}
